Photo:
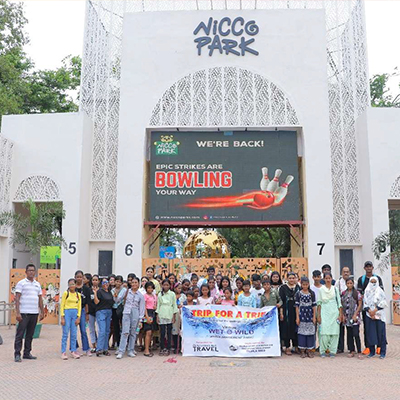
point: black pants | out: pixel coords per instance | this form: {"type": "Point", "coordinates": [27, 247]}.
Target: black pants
{"type": "Point", "coordinates": [364, 315]}
{"type": "Point", "coordinates": [341, 339]}
{"type": "Point", "coordinates": [116, 323]}
{"type": "Point", "coordinates": [287, 342]}
{"type": "Point", "coordinates": [166, 329]}
{"type": "Point", "coordinates": [353, 334]}
{"type": "Point", "coordinates": [26, 326]}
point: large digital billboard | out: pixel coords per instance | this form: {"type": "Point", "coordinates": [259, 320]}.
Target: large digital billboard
{"type": "Point", "coordinates": [224, 177]}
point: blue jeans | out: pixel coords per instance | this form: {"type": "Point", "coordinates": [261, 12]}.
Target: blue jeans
{"type": "Point", "coordinates": [92, 329]}
{"type": "Point", "coordinates": [103, 319]}
{"type": "Point", "coordinates": [129, 325]}
{"type": "Point", "coordinates": [69, 328]}
{"type": "Point", "coordinates": [82, 328]}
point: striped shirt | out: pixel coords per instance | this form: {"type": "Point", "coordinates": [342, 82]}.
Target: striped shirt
{"type": "Point", "coordinates": [30, 292]}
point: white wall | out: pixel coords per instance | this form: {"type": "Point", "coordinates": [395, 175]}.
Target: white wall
{"type": "Point", "coordinates": [57, 146]}
{"type": "Point", "coordinates": [378, 131]}
{"type": "Point", "coordinates": [381, 128]}
{"type": "Point", "coordinates": [158, 50]}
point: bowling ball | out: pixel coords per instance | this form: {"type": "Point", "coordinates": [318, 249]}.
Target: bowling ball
{"type": "Point", "coordinates": [263, 200]}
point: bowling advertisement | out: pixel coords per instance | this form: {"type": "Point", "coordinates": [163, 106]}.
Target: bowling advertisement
{"type": "Point", "coordinates": [224, 177]}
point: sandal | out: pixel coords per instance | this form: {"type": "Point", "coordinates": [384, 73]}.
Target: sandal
{"type": "Point", "coordinates": [310, 354]}
{"type": "Point", "coordinates": [161, 353]}
{"type": "Point", "coordinates": [148, 355]}
{"type": "Point", "coordinates": [107, 353]}
{"type": "Point", "coordinates": [351, 355]}
{"type": "Point", "coordinates": [140, 348]}
{"type": "Point", "coordinates": [166, 353]}
{"type": "Point", "coordinates": [288, 352]}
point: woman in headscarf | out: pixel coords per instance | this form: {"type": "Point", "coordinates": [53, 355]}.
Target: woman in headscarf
{"type": "Point", "coordinates": [374, 305]}
{"type": "Point", "coordinates": [288, 328]}
{"type": "Point", "coordinates": [329, 314]}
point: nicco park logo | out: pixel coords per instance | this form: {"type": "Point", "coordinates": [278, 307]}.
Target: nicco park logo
{"type": "Point", "coordinates": [166, 146]}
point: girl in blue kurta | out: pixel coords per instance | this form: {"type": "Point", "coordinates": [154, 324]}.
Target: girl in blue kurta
{"type": "Point", "coordinates": [306, 310]}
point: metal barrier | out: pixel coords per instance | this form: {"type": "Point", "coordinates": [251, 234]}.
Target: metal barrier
{"type": "Point", "coordinates": [6, 308]}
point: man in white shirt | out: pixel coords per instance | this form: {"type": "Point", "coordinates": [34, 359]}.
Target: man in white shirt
{"type": "Point", "coordinates": [28, 302]}
{"type": "Point", "coordinates": [341, 282]}
{"type": "Point", "coordinates": [341, 286]}
{"type": "Point", "coordinates": [257, 291]}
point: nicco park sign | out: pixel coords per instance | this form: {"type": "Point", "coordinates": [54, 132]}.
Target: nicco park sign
{"type": "Point", "coordinates": [214, 36]}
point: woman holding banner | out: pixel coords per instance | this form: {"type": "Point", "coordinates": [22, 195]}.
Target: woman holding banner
{"type": "Point", "coordinates": [287, 293]}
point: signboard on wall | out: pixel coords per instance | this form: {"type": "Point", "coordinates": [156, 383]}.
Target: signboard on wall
{"type": "Point", "coordinates": [50, 254]}
{"type": "Point", "coordinates": [224, 177]}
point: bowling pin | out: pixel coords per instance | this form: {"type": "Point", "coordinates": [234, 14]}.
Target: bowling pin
{"type": "Point", "coordinates": [274, 184]}
{"type": "Point", "coordinates": [265, 180]}
{"type": "Point", "coordinates": [281, 192]}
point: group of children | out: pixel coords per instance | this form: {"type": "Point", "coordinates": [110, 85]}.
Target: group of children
{"type": "Point", "coordinates": [149, 310]}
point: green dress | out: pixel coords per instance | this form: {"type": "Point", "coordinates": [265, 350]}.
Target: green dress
{"type": "Point", "coordinates": [329, 300]}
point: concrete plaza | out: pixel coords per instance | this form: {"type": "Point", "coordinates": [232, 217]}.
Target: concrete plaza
{"type": "Point", "coordinates": [287, 377]}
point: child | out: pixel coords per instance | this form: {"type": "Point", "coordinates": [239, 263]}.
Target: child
{"type": "Point", "coordinates": [194, 279]}
{"type": "Point", "coordinates": [275, 279]}
{"type": "Point", "coordinates": [172, 280]}
{"type": "Point", "coordinates": [352, 303]}
{"type": "Point", "coordinates": [190, 300]}
{"type": "Point", "coordinates": [306, 308]}
{"type": "Point", "coordinates": [166, 315]}
{"type": "Point", "coordinates": [271, 296]}
{"type": "Point", "coordinates": [132, 316]}
{"type": "Point", "coordinates": [316, 275]}
{"type": "Point", "coordinates": [185, 286]}
{"type": "Point", "coordinates": [246, 299]}
{"type": "Point", "coordinates": [196, 293]}
{"type": "Point", "coordinates": [205, 297]}
{"type": "Point", "coordinates": [239, 288]}
{"type": "Point", "coordinates": [257, 291]}
{"type": "Point", "coordinates": [70, 318]}
{"type": "Point", "coordinates": [176, 326]}
{"type": "Point", "coordinates": [180, 297]}
{"type": "Point", "coordinates": [213, 287]}
{"type": "Point", "coordinates": [143, 282]}
{"type": "Point", "coordinates": [227, 300]}
{"type": "Point", "coordinates": [150, 300]}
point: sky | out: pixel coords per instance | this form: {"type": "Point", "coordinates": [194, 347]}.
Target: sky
{"type": "Point", "coordinates": [56, 29]}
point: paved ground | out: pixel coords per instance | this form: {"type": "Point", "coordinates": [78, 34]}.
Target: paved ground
{"type": "Point", "coordinates": [193, 378]}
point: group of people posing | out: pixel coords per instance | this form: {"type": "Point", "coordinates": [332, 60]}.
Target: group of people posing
{"type": "Point", "coordinates": [146, 312]}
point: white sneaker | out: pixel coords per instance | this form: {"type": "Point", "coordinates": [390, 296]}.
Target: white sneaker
{"type": "Point", "coordinates": [131, 354]}
{"type": "Point", "coordinates": [119, 356]}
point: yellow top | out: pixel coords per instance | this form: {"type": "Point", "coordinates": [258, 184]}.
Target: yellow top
{"type": "Point", "coordinates": [71, 301]}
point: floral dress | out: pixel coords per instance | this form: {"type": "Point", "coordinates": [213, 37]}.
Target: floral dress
{"type": "Point", "coordinates": [306, 302]}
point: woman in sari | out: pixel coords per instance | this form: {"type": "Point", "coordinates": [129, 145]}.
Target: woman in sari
{"type": "Point", "coordinates": [374, 305]}
{"type": "Point", "coordinates": [329, 314]}
{"type": "Point", "coordinates": [288, 327]}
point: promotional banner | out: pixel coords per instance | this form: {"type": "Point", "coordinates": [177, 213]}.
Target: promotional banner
{"type": "Point", "coordinates": [234, 176]}
{"type": "Point", "coordinates": [227, 331]}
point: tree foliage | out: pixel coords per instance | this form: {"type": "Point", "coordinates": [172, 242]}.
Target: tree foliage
{"type": "Point", "coordinates": [41, 227]}
{"type": "Point", "coordinates": [380, 92]}
{"type": "Point", "coordinates": [24, 90]}
{"type": "Point", "coordinates": [257, 242]}
{"type": "Point", "coordinates": [386, 246]}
